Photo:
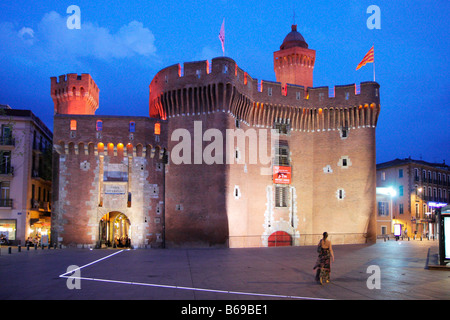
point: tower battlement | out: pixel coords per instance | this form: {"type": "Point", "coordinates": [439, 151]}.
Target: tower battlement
{"type": "Point", "coordinates": [221, 86]}
{"type": "Point", "coordinates": [74, 94]}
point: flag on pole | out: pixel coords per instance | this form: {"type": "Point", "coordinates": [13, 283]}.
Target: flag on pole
{"type": "Point", "coordinates": [368, 58]}
{"type": "Point", "coordinates": [222, 36]}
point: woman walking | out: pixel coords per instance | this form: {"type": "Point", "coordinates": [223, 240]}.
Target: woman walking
{"type": "Point", "coordinates": [323, 263]}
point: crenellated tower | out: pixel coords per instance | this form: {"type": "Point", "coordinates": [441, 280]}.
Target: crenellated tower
{"type": "Point", "coordinates": [294, 62]}
{"type": "Point", "coordinates": [74, 94]}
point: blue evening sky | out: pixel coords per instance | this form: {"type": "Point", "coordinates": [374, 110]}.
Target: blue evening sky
{"type": "Point", "coordinates": [123, 44]}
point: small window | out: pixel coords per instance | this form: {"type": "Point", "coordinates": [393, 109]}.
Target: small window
{"type": "Point", "coordinates": [73, 125]}
{"type": "Point", "coordinates": [99, 125]}
{"type": "Point", "coordinates": [400, 173]}
{"type": "Point", "coordinates": [297, 95]}
{"type": "Point", "coordinates": [225, 69]}
{"type": "Point", "coordinates": [344, 162]}
{"type": "Point", "coordinates": [383, 175]}
{"type": "Point", "coordinates": [400, 208]}
{"type": "Point", "coordinates": [383, 208]}
{"type": "Point", "coordinates": [237, 192]}
{"type": "Point", "coordinates": [282, 156]}
{"type": "Point", "coordinates": [269, 91]}
{"type": "Point", "coordinates": [282, 128]}
{"type": "Point", "coordinates": [157, 128]}
{"type": "Point", "coordinates": [400, 191]}
{"type": "Point", "coordinates": [132, 126]}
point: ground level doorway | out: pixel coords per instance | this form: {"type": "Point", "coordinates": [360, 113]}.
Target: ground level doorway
{"type": "Point", "coordinates": [114, 230]}
{"type": "Point", "coordinates": [280, 239]}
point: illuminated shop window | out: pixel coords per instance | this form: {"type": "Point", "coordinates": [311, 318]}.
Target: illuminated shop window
{"type": "Point", "coordinates": [8, 228]}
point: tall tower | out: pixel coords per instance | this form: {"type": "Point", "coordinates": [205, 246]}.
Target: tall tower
{"type": "Point", "coordinates": [74, 94]}
{"type": "Point", "coordinates": [294, 62]}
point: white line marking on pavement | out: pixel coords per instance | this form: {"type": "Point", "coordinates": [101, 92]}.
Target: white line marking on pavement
{"type": "Point", "coordinates": [89, 264]}
{"type": "Point", "coordinates": [64, 275]}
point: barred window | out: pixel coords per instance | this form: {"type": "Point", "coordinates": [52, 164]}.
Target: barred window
{"type": "Point", "coordinates": [282, 128]}
{"type": "Point", "coordinates": [282, 156]}
{"type": "Point", "coordinates": [281, 196]}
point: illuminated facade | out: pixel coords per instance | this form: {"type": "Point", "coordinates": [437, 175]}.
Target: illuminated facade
{"type": "Point", "coordinates": [25, 175]}
{"type": "Point", "coordinates": [210, 190]}
{"type": "Point", "coordinates": [419, 187]}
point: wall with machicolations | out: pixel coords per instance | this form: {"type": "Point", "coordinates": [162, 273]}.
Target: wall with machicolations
{"type": "Point", "coordinates": [74, 94]}
{"type": "Point", "coordinates": [107, 164]}
{"type": "Point", "coordinates": [200, 170]}
{"type": "Point", "coordinates": [330, 138]}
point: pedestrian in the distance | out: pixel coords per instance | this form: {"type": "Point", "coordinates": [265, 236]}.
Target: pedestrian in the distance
{"type": "Point", "coordinates": [323, 263]}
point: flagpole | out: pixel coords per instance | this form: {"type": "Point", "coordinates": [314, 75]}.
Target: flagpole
{"type": "Point", "coordinates": [374, 63]}
{"type": "Point", "coordinates": [223, 51]}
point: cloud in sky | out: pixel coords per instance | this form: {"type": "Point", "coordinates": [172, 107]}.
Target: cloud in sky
{"type": "Point", "coordinates": [53, 41]}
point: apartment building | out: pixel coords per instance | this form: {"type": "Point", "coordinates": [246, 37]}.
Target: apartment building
{"type": "Point", "coordinates": [25, 175]}
{"type": "Point", "coordinates": [417, 188]}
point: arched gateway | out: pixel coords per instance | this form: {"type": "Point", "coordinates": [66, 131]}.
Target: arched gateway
{"type": "Point", "coordinates": [114, 230]}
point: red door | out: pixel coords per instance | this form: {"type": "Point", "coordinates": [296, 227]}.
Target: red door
{"type": "Point", "coordinates": [280, 239]}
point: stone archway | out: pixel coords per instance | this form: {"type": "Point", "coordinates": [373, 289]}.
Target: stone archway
{"type": "Point", "coordinates": [114, 230]}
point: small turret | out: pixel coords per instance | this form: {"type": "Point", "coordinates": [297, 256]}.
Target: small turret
{"type": "Point", "coordinates": [74, 94]}
{"type": "Point", "coordinates": [294, 62]}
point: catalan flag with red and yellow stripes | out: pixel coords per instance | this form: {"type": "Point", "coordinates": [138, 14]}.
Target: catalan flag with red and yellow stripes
{"type": "Point", "coordinates": [368, 58]}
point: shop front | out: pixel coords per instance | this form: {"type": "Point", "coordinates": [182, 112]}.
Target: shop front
{"type": "Point", "coordinates": [8, 231]}
{"type": "Point", "coordinates": [39, 232]}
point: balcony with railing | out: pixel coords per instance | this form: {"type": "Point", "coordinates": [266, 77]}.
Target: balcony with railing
{"type": "Point", "coordinates": [7, 141]}
{"type": "Point", "coordinates": [44, 206]}
{"type": "Point", "coordinates": [6, 170]}
{"type": "Point", "coordinates": [6, 203]}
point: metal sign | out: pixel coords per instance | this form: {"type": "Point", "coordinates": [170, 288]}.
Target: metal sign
{"type": "Point", "coordinates": [281, 174]}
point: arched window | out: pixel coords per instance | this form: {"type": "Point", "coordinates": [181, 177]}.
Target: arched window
{"type": "Point", "coordinates": [132, 126]}
{"type": "Point", "coordinates": [73, 125]}
{"type": "Point", "coordinates": [99, 125]}
{"type": "Point", "coordinates": [110, 149]}
{"type": "Point", "coordinates": [100, 147]}
{"type": "Point", "coordinates": [157, 128]}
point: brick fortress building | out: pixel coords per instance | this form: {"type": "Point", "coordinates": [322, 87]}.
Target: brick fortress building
{"type": "Point", "coordinates": [195, 173]}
